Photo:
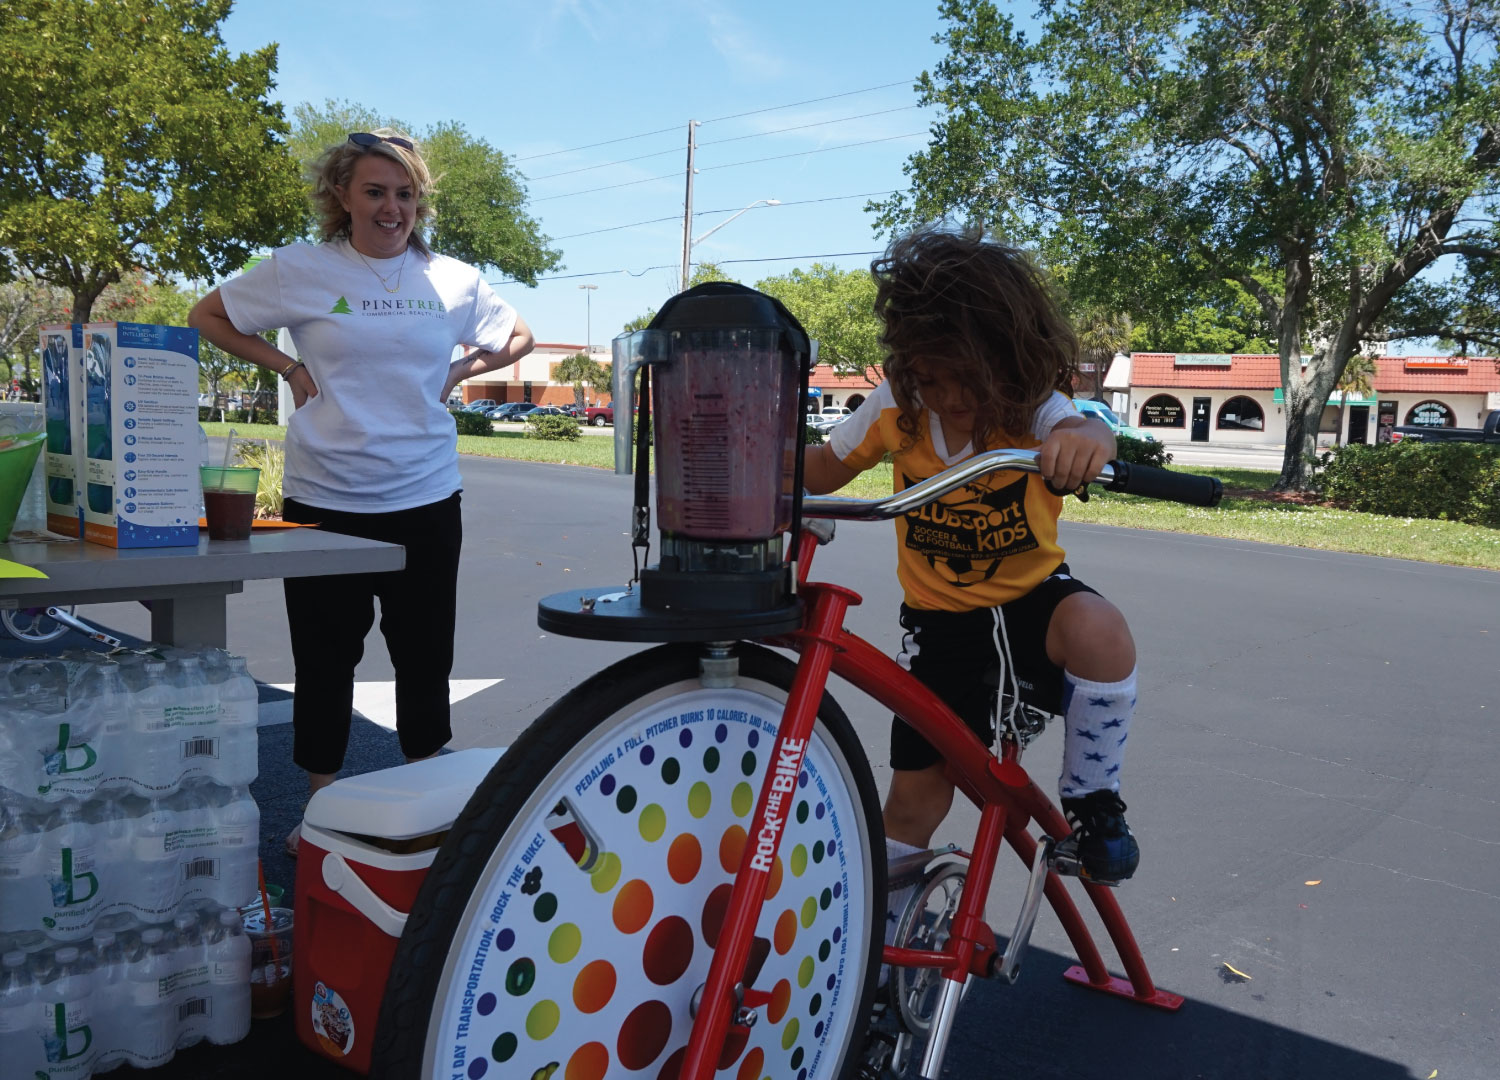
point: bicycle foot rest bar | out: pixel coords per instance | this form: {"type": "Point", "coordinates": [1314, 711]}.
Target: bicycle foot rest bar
{"type": "Point", "coordinates": [1159, 998]}
{"type": "Point", "coordinates": [907, 870]}
{"type": "Point", "coordinates": [615, 613]}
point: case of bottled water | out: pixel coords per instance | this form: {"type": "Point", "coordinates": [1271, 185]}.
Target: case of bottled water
{"type": "Point", "coordinates": [128, 841]}
{"type": "Point", "coordinates": [87, 724]}
{"type": "Point", "coordinates": [133, 993]}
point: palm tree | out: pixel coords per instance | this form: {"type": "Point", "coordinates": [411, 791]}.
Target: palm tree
{"type": "Point", "coordinates": [581, 371]}
{"type": "Point", "coordinates": [1101, 334]}
{"type": "Point", "coordinates": [1357, 379]}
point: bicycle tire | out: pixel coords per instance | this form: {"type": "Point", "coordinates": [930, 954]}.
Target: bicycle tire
{"type": "Point", "coordinates": [603, 982]}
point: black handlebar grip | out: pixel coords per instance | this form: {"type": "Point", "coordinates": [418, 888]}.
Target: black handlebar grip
{"type": "Point", "coordinates": [1162, 484]}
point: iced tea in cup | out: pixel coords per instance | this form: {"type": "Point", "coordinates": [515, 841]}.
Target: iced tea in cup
{"type": "Point", "coordinates": [229, 500]}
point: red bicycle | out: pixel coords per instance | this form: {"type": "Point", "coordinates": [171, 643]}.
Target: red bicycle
{"type": "Point", "coordinates": [679, 866]}
{"type": "Point", "coordinates": [678, 869]}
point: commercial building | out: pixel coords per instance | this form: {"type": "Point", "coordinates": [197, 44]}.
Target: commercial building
{"type": "Point", "coordinates": [533, 378]}
{"type": "Point", "coordinates": [1232, 398]}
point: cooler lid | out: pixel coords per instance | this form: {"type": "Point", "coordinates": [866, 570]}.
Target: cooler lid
{"type": "Point", "coordinates": [402, 802]}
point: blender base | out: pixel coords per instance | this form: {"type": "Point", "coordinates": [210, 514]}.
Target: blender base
{"type": "Point", "coordinates": [612, 614]}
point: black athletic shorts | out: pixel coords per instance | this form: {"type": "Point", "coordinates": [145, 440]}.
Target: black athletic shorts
{"type": "Point", "coordinates": [953, 654]}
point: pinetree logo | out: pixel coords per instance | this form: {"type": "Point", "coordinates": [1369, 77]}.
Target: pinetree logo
{"type": "Point", "coordinates": [341, 308]}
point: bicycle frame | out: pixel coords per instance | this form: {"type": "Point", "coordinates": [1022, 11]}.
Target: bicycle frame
{"type": "Point", "coordinates": [1008, 800]}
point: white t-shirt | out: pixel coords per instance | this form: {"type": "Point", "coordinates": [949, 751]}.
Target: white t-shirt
{"type": "Point", "coordinates": [376, 438]}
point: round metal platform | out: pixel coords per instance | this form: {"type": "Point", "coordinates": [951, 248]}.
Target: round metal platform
{"type": "Point", "coordinates": [612, 614]}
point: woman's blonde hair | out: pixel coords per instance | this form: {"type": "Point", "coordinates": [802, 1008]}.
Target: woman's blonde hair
{"type": "Point", "coordinates": [983, 311]}
{"type": "Point", "coordinates": [334, 169]}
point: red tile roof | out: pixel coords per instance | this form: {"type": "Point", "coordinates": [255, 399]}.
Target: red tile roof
{"type": "Point", "coordinates": [1242, 373]}
{"type": "Point", "coordinates": [823, 378]}
{"type": "Point", "coordinates": [1259, 372]}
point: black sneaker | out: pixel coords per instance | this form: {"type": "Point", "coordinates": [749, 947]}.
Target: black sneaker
{"type": "Point", "coordinates": [1100, 843]}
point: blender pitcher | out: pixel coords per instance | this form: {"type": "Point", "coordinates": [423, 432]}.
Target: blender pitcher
{"type": "Point", "coordinates": [728, 367]}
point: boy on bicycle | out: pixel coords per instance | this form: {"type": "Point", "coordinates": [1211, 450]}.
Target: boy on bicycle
{"type": "Point", "coordinates": [978, 358]}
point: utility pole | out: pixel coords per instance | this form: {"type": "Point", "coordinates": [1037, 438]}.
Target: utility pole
{"type": "Point", "coordinates": [687, 208]}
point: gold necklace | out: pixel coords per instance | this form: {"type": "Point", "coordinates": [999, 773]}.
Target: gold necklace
{"type": "Point", "coordinates": [384, 279]}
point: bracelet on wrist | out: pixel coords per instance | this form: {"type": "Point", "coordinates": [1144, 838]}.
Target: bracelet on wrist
{"type": "Point", "coordinates": [291, 369]}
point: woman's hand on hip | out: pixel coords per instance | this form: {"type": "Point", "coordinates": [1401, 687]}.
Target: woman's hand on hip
{"type": "Point", "coordinates": [303, 387]}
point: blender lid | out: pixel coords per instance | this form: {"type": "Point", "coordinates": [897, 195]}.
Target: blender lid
{"type": "Point", "coordinates": [728, 305]}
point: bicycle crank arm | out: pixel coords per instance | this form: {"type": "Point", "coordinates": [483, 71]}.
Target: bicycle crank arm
{"type": "Point", "coordinates": [1020, 937]}
{"type": "Point", "coordinates": [74, 623]}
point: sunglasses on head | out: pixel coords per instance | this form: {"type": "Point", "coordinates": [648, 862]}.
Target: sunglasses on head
{"type": "Point", "coordinates": [364, 138]}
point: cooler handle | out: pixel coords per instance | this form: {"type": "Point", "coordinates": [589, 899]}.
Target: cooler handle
{"type": "Point", "coordinates": [339, 877]}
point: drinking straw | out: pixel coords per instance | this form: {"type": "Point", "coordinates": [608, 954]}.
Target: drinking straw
{"type": "Point", "coordinates": [228, 449]}
{"type": "Point", "coordinates": [265, 905]}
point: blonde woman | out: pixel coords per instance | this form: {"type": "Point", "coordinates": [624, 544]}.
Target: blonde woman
{"type": "Point", "coordinates": [371, 450]}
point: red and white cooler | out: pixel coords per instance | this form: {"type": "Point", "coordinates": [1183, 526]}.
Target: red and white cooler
{"type": "Point", "coordinates": [367, 843]}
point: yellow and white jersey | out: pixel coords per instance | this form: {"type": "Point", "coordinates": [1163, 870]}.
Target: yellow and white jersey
{"type": "Point", "coordinates": [987, 543]}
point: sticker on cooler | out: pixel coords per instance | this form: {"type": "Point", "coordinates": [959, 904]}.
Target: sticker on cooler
{"type": "Point", "coordinates": [331, 1021]}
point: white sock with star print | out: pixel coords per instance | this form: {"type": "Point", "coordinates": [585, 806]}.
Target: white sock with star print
{"type": "Point", "coordinates": [1097, 716]}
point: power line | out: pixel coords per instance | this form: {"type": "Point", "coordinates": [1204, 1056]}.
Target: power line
{"type": "Point", "coordinates": [715, 120]}
{"type": "Point", "coordinates": [730, 165]}
{"type": "Point", "coordinates": [718, 142]}
{"type": "Point", "coordinates": [811, 101]}
{"type": "Point", "coordinates": [804, 127]}
{"type": "Point", "coordinates": [725, 210]}
{"type": "Point", "coordinates": [674, 266]}
{"type": "Point", "coordinates": [805, 153]}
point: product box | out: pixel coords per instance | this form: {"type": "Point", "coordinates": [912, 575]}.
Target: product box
{"type": "Point", "coordinates": [138, 393]}
{"type": "Point", "coordinates": [62, 352]}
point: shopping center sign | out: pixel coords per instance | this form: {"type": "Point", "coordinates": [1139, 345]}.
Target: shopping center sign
{"type": "Point", "coordinates": [1202, 360]}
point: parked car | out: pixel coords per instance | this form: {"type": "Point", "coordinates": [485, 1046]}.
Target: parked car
{"type": "Point", "coordinates": [482, 405]}
{"type": "Point", "coordinates": [1090, 407]}
{"type": "Point", "coordinates": [548, 410]}
{"type": "Point", "coordinates": [599, 415]}
{"type": "Point", "coordinates": [1490, 433]}
{"type": "Point", "coordinates": [513, 412]}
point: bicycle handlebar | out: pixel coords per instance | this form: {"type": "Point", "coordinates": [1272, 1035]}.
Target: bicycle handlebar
{"type": "Point", "coordinates": [1116, 476]}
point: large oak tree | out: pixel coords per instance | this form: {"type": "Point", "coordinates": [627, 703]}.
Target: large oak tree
{"type": "Point", "coordinates": [134, 140]}
{"type": "Point", "coordinates": [1335, 159]}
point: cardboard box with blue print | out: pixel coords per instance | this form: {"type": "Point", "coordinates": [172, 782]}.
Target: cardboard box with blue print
{"type": "Point", "coordinates": [138, 390]}
{"type": "Point", "coordinates": [62, 353]}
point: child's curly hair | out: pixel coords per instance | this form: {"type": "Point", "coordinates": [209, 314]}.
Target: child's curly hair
{"type": "Point", "coordinates": [983, 310]}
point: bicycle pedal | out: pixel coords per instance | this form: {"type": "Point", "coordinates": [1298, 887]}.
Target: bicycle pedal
{"type": "Point", "coordinates": [1064, 866]}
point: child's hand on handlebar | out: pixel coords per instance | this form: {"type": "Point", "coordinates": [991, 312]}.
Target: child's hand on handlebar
{"type": "Point", "coordinates": [1075, 452]}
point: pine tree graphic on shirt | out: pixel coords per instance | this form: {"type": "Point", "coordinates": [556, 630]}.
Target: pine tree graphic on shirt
{"type": "Point", "coordinates": [341, 308]}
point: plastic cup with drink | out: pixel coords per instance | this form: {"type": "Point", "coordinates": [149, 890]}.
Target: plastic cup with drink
{"type": "Point", "coordinates": [270, 960]}
{"type": "Point", "coordinates": [229, 500]}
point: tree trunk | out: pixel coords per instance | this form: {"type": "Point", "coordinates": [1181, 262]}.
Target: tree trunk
{"type": "Point", "coordinates": [1303, 415]}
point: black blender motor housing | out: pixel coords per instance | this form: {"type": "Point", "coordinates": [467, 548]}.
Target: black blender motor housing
{"type": "Point", "coordinates": [728, 404]}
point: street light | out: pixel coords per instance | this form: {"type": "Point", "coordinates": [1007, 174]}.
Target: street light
{"type": "Point", "coordinates": [686, 255]}
{"type": "Point", "coordinates": [588, 314]}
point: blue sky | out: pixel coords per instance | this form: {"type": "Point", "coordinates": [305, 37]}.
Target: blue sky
{"type": "Point", "coordinates": [552, 76]}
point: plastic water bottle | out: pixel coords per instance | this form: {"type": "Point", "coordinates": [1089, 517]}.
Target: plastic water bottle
{"type": "Point", "coordinates": [24, 896]}
{"type": "Point", "coordinates": [237, 822]}
{"type": "Point", "coordinates": [36, 718]}
{"type": "Point", "coordinates": [155, 877]}
{"type": "Point", "coordinates": [71, 867]}
{"type": "Point", "coordinates": [68, 1017]}
{"type": "Point", "coordinates": [228, 954]}
{"type": "Point", "coordinates": [114, 852]}
{"type": "Point", "coordinates": [193, 1000]}
{"type": "Point", "coordinates": [20, 1017]}
{"type": "Point", "coordinates": [102, 689]}
{"type": "Point", "coordinates": [193, 716]}
{"type": "Point", "coordinates": [150, 736]}
{"type": "Point", "coordinates": [239, 713]}
{"type": "Point", "coordinates": [151, 1019]}
{"type": "Point", "coordinates": [111, 1000]}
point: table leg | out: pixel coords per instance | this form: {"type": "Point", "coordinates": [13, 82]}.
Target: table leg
{"type": "Point", "coordinates": [191, 620]}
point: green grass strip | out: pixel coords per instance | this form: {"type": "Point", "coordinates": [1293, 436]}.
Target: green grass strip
{"type": "Point", "coordinates": [1260, 520]}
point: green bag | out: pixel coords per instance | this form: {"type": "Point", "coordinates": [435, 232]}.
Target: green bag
{"type": "Point", "coordinates": [18, 454]}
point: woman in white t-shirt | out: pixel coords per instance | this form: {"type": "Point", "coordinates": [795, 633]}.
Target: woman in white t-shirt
{"type": "Point", "coordinates": [371, 449]}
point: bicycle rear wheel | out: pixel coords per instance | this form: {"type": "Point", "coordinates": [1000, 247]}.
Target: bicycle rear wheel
{"type": "Point", "coordinates": [572, 911]}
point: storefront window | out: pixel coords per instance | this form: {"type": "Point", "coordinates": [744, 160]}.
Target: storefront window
{"type": "Point", "coordinates": [1163, 410]}
{"type": "Point", "coordinates": [1241, 414]}
{"type": "Point", "coordinates": [1430, 414]}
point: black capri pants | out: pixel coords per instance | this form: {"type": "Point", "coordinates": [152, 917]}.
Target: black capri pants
{"type": "Point", "coordinates": [330, 616]}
